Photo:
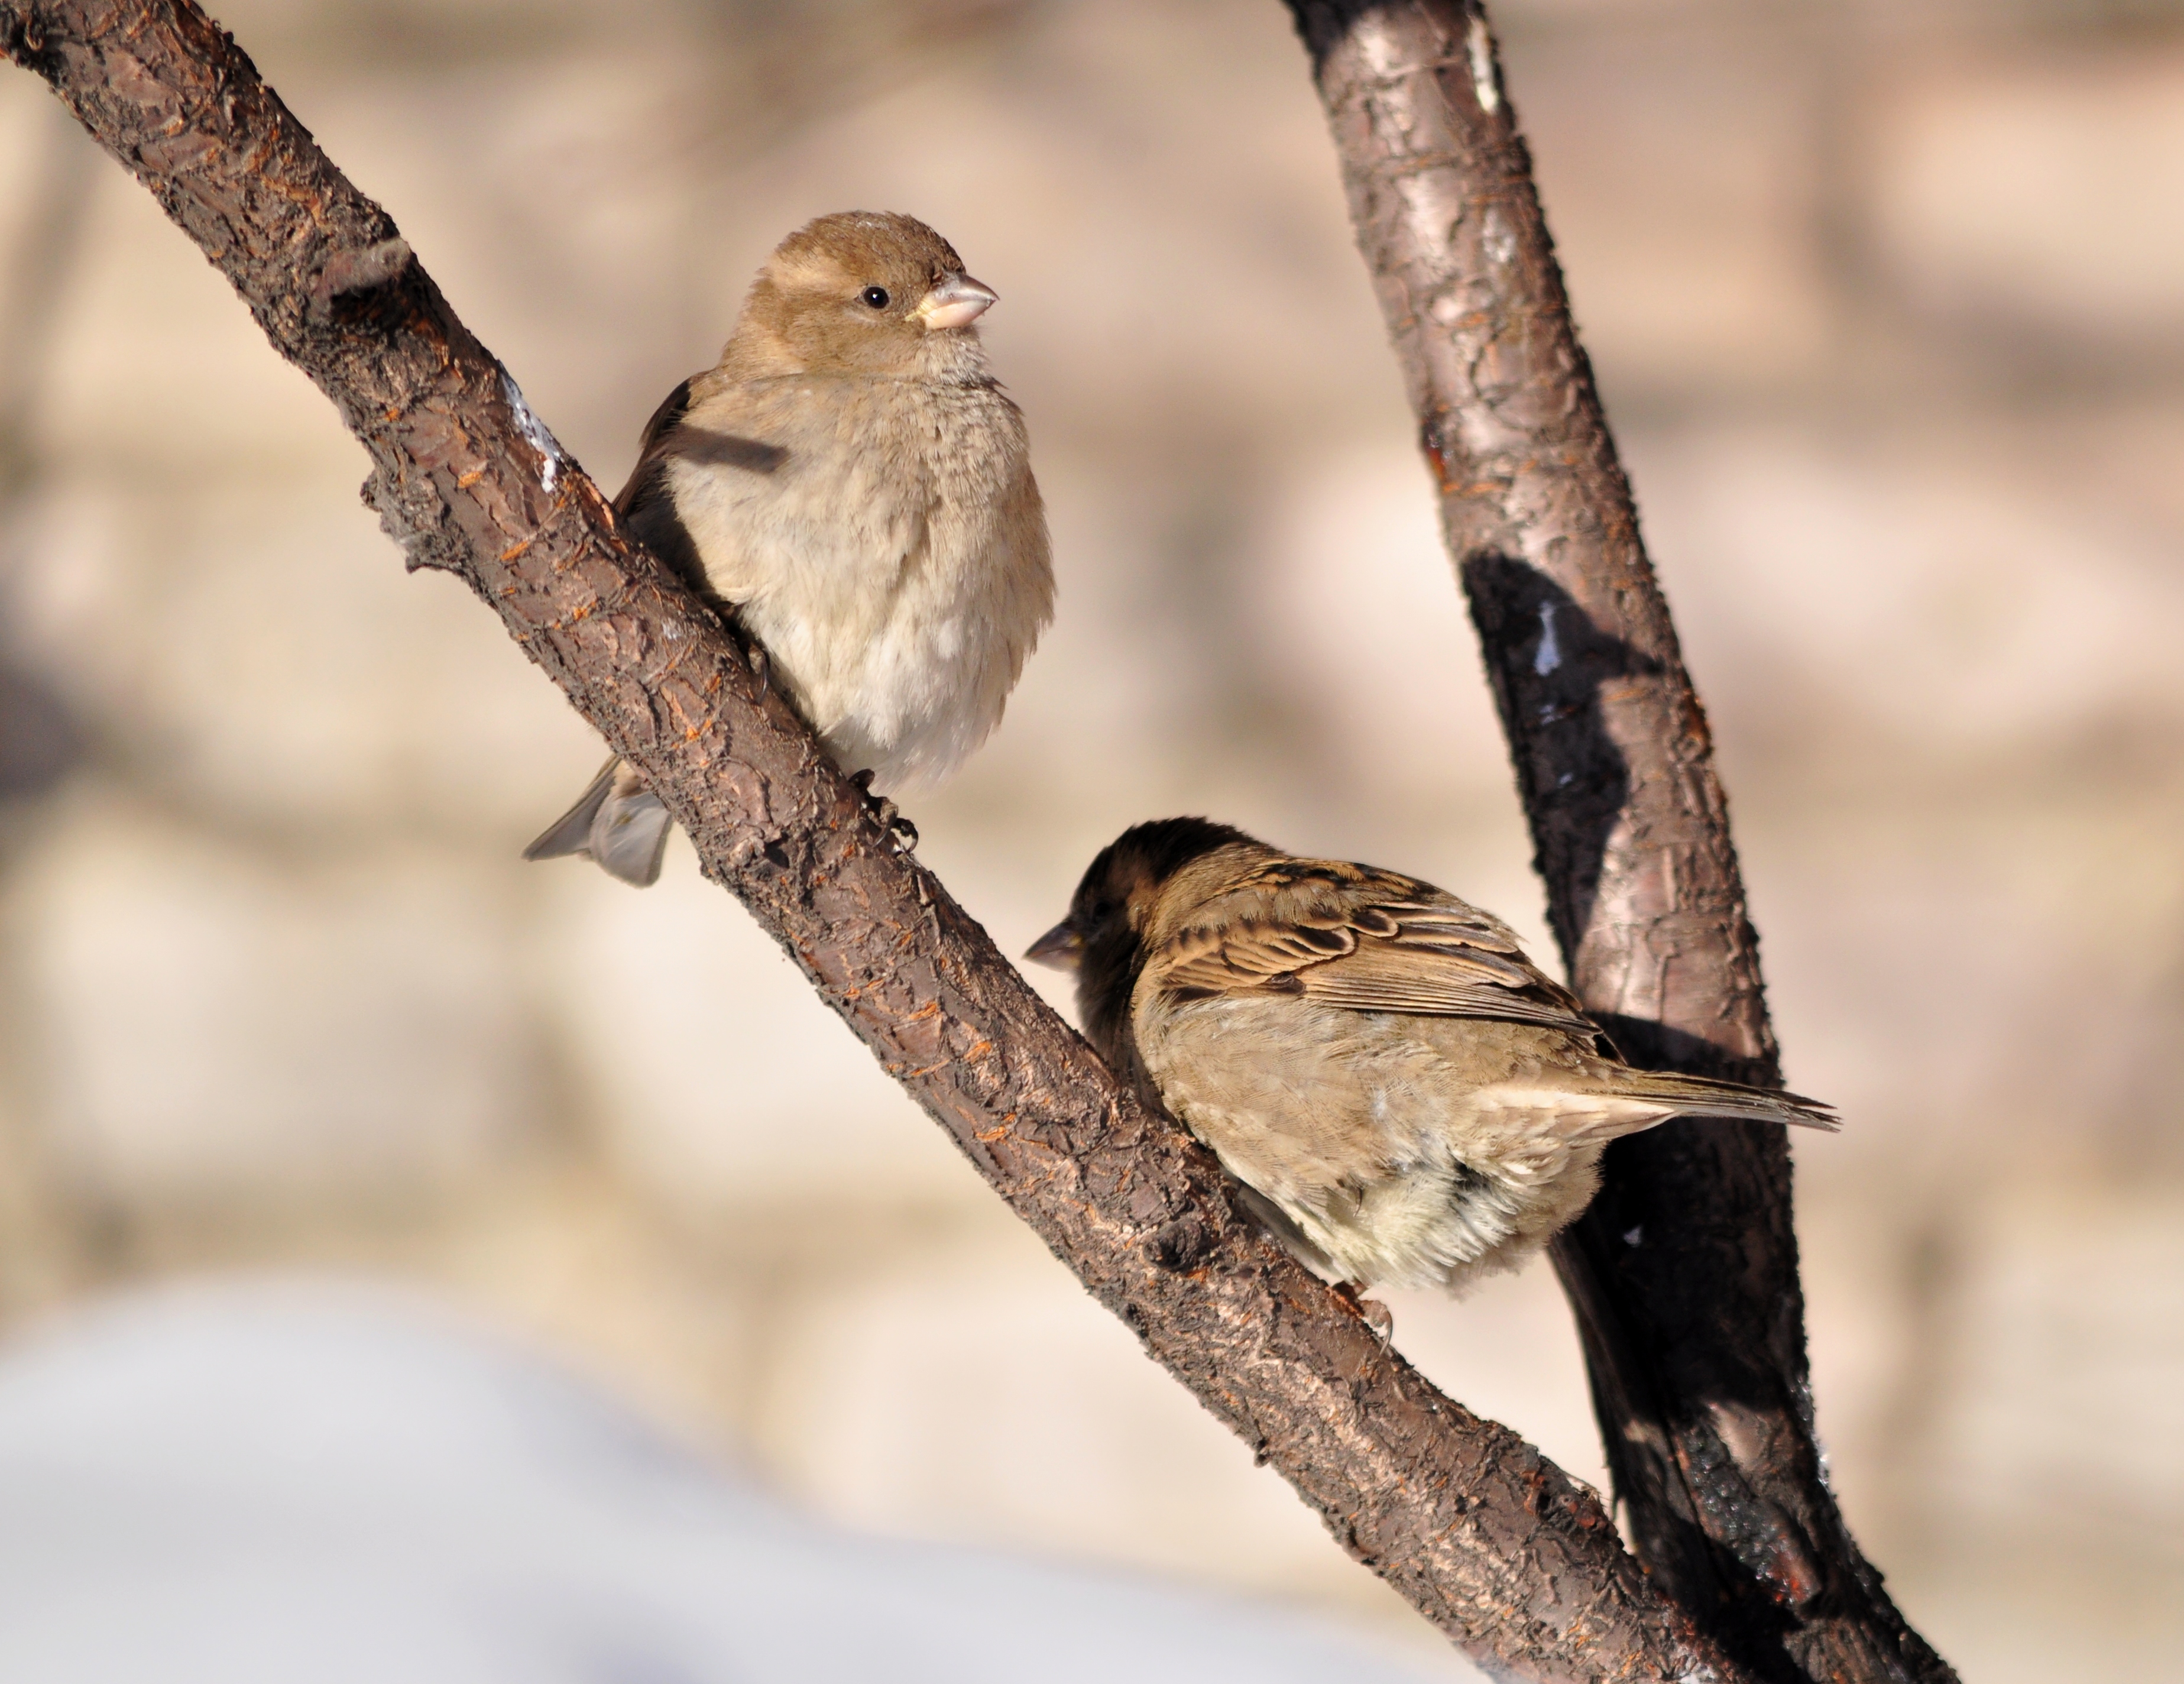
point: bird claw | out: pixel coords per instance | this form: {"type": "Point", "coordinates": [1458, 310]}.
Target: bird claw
{"type": "Point", "coordinates": [761, 663]}
{"type": "Point", "coordinates": [889, 817]}
{"type": "Point", "coordinates": [1372, 1312]}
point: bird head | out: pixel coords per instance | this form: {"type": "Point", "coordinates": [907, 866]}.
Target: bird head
{"type": "Point", "coordinates": [1104, 939]}
{"type": "Point", "coordinates": [862, 292]}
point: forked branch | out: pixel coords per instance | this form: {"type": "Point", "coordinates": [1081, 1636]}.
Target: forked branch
{"type": "Point", "coordinates": [1684, 1273]}
{"type": "Point", "coordinates": [1497, 1547]}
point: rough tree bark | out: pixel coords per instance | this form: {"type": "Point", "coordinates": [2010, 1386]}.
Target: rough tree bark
{"type": "Point", "coordinates": [1502, 1550]}
{"type": "Point", "coordinates": [1684, 1273]}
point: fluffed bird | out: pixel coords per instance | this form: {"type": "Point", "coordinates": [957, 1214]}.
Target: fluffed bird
{"type": "Point", "coordinates": [1406, 1098]}
{"type": "Point", "coordinates": [853, 487]}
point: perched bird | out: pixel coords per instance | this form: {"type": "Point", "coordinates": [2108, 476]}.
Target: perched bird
{"type": "Point", "coordinates": [855, 488]}
{"type": "Point", "coordinates": [1406, 1097]}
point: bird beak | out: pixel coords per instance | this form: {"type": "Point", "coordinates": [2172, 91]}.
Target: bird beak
{"type": "Point", "coordinates": [957, 302]}
{"type": "Point", "coordinates": [1061, 947]}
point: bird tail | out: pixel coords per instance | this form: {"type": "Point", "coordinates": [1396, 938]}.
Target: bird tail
{"type": "Point", "coordinates": [616, 822]}
{"type": "Point", "coordinates": [1710, 1096]}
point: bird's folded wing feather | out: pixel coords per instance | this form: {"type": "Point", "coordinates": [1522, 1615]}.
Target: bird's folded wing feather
{"type": "Point", "coordinates": [675, 433]}
{"type": "Point", "coordinates": [665, 419]}
{"type": "Point", "coordinates": [644, 505]}
{"type": "Point", "coordinates": [1396, 954]}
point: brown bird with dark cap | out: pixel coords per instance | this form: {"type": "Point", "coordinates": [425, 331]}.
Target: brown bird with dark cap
{"type": "Point", "coordinates": [851, 485]}
{"type": "Point", "coordinates": [1406, 1098]}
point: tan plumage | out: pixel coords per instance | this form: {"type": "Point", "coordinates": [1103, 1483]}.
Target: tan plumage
{"type": "Point", "coordinates": [1409, 1099]}
{"type": "Point", "coordinates": [853, 486]}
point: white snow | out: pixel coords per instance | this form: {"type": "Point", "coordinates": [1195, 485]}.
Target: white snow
{"type": "Point", "coordinates": [1480, 45]}
{"type": "Point", "coordinates": [534, 431]}
{"type": "Point", "coordinates": [257, 1484]}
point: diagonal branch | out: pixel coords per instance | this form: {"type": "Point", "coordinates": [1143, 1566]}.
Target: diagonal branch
{"type": "Point", "coordinates": [1684, 1273]}
{"type": "Point", "coordinates": [1501, 1549]}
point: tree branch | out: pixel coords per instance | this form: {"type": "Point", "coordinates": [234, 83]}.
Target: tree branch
{"type": "Point", "coordinates": [1497, 1547]}
{"type": "Point", "coordinates": [1684, 1273]}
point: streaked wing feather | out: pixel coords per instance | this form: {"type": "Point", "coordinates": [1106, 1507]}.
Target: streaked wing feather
{"type": "Point", "coordinates": [1501, 1003]}
{"type": "Point", "coordinates": [1401, 954]}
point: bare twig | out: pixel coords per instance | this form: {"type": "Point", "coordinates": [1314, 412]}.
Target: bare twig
{"type": "Point", "coordinates": [1683, 1274]}
{"type": "Point", "coordinates": [1497, 1547]}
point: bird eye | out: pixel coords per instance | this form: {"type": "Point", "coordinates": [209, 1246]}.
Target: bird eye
{"type": "Point", "coordinates": [876, 297]}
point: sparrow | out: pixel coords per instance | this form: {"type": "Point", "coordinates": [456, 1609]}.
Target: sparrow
{"type": "Point", "coordinates": [850, 487]}
{"type": "Point", "coordinates": [1405, 1098]}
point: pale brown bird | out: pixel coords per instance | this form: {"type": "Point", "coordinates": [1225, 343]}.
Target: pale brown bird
{"type": "Point", "coordinates": [855, 488]}
{"type": "Point", "coordinates": [1406, 1098]}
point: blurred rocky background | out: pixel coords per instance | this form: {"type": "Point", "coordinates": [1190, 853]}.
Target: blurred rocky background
{"type": "Point", "coordinates": [1887, 303]}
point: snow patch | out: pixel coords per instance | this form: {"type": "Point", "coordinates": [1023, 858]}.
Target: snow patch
{"type": "Point", "coordinates": [534, 431]}
{"type": "Point", "coordinates": [1480, 45]}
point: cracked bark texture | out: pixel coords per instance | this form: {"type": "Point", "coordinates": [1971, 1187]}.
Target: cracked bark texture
{"type": "Point", "coordinates": [1512, 1559]}
{"type": "Point", "coordinates": [1684, 1273]}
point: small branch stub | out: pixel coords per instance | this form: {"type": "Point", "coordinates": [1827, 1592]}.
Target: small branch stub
{"type": "Point", "coordinates": [351, 276]}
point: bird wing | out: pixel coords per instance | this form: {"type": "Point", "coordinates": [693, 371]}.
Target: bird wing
{"type": "Point", "coordinates": [1367, 942]}
{"type": "Point", "coordinates": [665, 419]}
{"type": "Point", "coordinates": [645, 506]}
{"type": "Point", "coordinates": [647, 503]}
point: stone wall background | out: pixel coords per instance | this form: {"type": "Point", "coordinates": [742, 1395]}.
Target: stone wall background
{"type": "Point", "coordinates": [1887, 302]}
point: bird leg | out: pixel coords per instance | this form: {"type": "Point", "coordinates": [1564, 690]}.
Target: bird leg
{"type": "Point", "coordinates": [1375, 1314]}
{"type": "Point", "coordinates": [890, 819]}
